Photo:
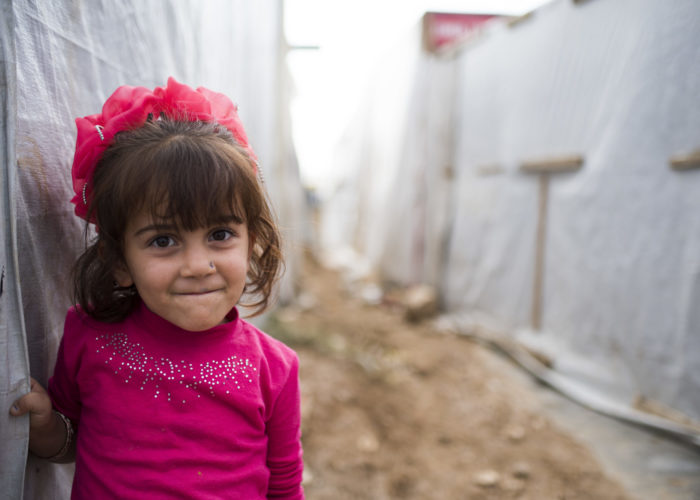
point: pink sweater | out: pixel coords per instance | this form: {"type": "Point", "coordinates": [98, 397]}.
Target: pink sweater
{"type": "Point", "coordinates": [166, 413]}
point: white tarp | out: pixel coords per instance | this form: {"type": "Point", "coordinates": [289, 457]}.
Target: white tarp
{"type": "Point", "coordinates": [441, 197]}
{"type": "Point", "coordinates": [60, 60]}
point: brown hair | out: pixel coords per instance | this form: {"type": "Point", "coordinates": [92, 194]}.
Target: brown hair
{"type": "Point", "coordinates": [191, 173]}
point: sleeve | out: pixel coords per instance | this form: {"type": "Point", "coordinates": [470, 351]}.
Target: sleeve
{"type": "Point", "coordinates": [63, 385]}
{"type": "Point", "coordinates": [284, 453]}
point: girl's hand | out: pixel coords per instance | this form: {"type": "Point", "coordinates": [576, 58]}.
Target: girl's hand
{"type": "Point", "coordinates": [47, 431]}
{"type": "Point", "coordinates": [38, 404]}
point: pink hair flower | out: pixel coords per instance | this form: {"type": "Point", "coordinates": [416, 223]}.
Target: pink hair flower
{"type": "Point", "coordinates": [128, 108]}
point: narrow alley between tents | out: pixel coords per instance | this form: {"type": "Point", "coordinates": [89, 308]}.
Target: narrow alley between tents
{"type": "Point", "coordinates": [394, 409]}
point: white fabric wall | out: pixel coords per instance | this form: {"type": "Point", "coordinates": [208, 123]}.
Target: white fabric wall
{"type": "Point", "coordinates": [614, 81]}
{"type": "Point", "coordinates": [61, 60]}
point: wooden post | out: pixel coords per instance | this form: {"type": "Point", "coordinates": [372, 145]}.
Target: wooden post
{"type": "Point", "coordinates": [538, 282]}
{"type": "Point", "coordinates": [544, 168]}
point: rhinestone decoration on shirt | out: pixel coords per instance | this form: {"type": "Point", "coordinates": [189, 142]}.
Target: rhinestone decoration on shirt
{"type": "Point", "coordinates": [157, 375]}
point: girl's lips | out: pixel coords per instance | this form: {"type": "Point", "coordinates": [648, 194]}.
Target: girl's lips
{"type": "Point", "coordinates": [199, 292]}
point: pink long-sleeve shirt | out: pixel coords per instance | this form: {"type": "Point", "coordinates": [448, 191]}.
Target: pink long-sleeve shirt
{"type": "Point", "coordinates": [162, 412]}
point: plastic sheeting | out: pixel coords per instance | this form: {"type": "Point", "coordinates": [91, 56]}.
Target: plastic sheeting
{"type": "Point", "coordinates": [60, 60]}
{"type": "Point", "coordinates": [613, 82]}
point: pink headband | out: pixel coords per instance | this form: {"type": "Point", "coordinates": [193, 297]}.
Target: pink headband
{"type": "Point", "coordinates": [128, 108]}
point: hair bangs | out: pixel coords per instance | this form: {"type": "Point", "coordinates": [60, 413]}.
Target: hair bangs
{"type": "Point", "coordinates": [190, 182]}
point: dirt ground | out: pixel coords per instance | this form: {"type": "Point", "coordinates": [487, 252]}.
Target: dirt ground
{"type": "Point", "coordinates": [395, 410]}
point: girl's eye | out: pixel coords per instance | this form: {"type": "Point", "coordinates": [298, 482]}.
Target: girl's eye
{"type": "Point", "coordinates": [162, 242]}
{"type": "Point", "coordinates": [221, 234]}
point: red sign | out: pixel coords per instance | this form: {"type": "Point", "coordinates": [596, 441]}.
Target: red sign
{"type": "Point", "coordinates": [441, 29]}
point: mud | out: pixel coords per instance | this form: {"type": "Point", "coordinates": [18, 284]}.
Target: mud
{"type": "Point", "coordinates": [396, 410]}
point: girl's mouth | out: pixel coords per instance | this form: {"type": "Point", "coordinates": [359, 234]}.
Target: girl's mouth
{"type": "Point", "coordinates": [199, 292]}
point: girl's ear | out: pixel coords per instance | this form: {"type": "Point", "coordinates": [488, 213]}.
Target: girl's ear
{"type": "Point", "coordinates": [121, 272]}
{"type": "Point", "coordinates": [122, 276]}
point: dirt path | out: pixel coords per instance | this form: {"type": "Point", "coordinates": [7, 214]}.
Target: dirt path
{"type": "Point", "coordinates": [394, 410]}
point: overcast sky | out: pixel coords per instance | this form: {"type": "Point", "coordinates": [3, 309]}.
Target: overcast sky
{"type": "Point", "coordinates": [350, 36]}
{"type": "Point", "coordinates": [335, 22]}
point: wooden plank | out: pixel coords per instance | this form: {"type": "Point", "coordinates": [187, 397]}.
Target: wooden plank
{"type": "Point", "coordinates": [517, 21]}
{"type": "Point", "coordinates": [556, 164]}
{"type": "Point", "coordinates": [685, 162]}
{"type": "Point", "coordinates": [538, 281]}
{"type": "Point", "coordinates": [489, 169]}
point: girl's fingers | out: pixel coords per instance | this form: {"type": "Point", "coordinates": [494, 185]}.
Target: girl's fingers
{"type": "Point", "coordinates": [21, 406]}
{"type": "Point", "coordinates": [16, 410]}
{"type": "Point", "coordinates": [37, 401]}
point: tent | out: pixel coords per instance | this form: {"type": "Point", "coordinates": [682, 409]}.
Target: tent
{"type": "Point", "coordinates": [543, 177]}
{"type": "Point", "coordinates": [60, 60]}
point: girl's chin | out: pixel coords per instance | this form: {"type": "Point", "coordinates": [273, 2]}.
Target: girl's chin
{"type": "Point", "coordinates": [199, 312]}
{"type": "Point", "coordinates": [194, 325]}
{"type": "Point", "coordinates": [198, 322]}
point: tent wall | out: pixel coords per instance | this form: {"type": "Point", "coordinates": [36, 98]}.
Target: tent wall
{"type": "Point", "coordinates": [61, 60]}
{"type": "Point", "coordinates": [614, 83]}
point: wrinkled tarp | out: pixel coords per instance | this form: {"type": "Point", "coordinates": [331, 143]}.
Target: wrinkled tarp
{"type": "Point", "coordinates": [61, 60]}
{"type": "Point", "coordinates": [613, 82]}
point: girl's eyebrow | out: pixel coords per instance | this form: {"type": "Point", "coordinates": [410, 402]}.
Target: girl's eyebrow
{"type": "Point", "coordinates": [155, 227]}
{"type": "Point", "coordinates": [164, 226]}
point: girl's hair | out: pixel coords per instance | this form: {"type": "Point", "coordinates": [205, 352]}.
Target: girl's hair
{"type": "Point", "coordinates": [190, 173]}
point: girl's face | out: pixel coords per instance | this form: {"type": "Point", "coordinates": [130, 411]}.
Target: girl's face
{"type": "Point", "coordinates": [190, 278]}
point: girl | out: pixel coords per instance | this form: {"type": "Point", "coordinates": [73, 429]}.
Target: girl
{"type": "Point", "coordinates": [160, 390]}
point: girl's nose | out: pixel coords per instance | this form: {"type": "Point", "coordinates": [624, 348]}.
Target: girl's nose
{"type": "Point", "coordinates": [197, 262]}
